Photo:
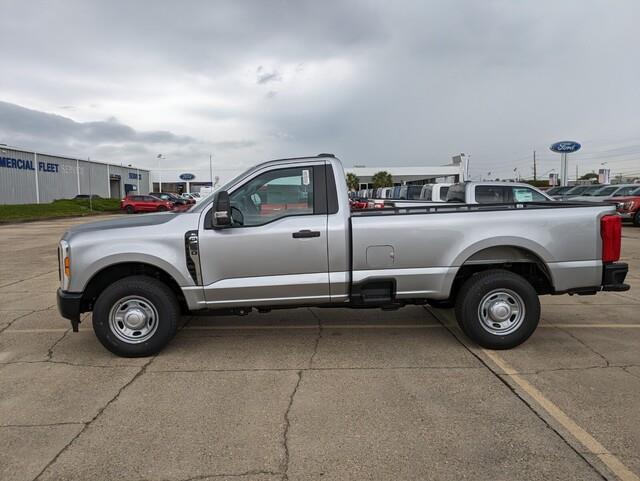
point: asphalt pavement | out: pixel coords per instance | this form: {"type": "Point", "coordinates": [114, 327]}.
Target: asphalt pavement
{"type": "Point", "coordinates": [315, 394]}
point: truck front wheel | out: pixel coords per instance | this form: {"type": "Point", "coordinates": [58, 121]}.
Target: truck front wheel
{"type": "Point", "coordinates": [498, 309]}
{"type": "Point", "coordinates": [136, 316]}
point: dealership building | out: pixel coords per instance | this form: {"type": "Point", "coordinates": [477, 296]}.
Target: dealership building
{"type": "Point", "coordinates": [425, 174]}
{"type": "Point", "coordinates": [32, 177]}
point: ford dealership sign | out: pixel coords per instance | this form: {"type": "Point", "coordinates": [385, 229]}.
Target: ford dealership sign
{"type": "Point", "coordinates": [565, 147]}
{"type": "Point", "coordinates": [187, 176]}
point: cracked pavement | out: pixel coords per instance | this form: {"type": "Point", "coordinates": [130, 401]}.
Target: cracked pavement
{"type": "Point", "coordinates": [310, 394]}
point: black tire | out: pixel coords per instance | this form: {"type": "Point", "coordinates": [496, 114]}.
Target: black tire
{"type": "Point", "coordinates": [636, 219]}
{"type": "Point", "coordinates": [162, 208]}
{"type": "Point", "coordinates": [491, 287]}
{"type": "Point", "coordinates": [162, 304]}
{"type": "Point", "coordinates": [130, 209]}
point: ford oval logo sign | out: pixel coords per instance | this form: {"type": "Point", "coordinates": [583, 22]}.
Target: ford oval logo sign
{"type": "Point", "coordinates": [187, 176]}
{"type": "Point", "coordinates": [565, 147]}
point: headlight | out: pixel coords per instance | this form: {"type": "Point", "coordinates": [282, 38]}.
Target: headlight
{"type": "Point", "coordinates": [65, 265]}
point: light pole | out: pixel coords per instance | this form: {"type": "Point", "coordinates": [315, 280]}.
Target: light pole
{"type": "Point", "coordinates": [160, 157]}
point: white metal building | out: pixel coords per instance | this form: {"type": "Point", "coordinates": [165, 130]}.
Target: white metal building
{"type": "Point", "coordinates": [33, 177]}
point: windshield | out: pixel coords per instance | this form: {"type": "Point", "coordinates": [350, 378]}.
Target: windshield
{"type": "Point", "coordinates": [592, 190]}
{"type": "Point", "coordinates": [604, 191]}
{"type": "Point", "coordinates": [577, 190]}
{"type": "Point", "coordinates": [558, 190]}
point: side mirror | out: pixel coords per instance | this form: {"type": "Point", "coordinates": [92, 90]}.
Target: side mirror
{"type": "Point", "coordinates": [221, 216]}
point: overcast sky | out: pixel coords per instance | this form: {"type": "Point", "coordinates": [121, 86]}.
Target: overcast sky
{"type": "Point", "coordinates": [377, 83]}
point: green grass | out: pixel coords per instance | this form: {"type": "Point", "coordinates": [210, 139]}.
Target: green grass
{"type": "Point", "coordinates": [57, 208]}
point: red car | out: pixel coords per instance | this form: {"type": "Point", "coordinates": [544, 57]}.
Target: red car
{"type": "Point", "coordinates": [144, 203]}
{"type": "Point", "coordinates": [358, 203]}
{"type": "Point", "coordinates": [629, 208]}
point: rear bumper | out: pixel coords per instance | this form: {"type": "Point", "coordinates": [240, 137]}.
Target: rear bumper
{"type": "Point", "coordinates": [69, 306]}
{"type": "Point", "coordinates": [613, 276]}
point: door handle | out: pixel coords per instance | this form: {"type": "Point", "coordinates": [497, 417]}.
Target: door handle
{"type": "Point", "coordinates": [301, 234]}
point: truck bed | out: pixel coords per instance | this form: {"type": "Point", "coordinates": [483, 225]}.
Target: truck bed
{"type": "Point", "coordinates": [423, 251]}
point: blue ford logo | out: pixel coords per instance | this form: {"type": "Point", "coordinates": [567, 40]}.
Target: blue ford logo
{"type": "Point", "coordinates": [187, 176]}
{"type": "Point", "coordinates": [565, 147]}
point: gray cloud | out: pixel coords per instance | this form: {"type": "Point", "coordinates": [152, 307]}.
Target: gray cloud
{"type": "Point", "coordinates": [19, 121]}
{"type": "Point", "coordinates": [401, 83]}
{"type": "Point", "coordinates": [263, 76]}
{"type": "Point", "coordinates": [107, 139]}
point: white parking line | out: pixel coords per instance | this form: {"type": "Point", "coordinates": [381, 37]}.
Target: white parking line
{"type": "Point", "coordinates": [588, 441]}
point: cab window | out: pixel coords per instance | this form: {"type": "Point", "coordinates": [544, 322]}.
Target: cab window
{"type": "Point", "coordinates": [491, 194]}
{"type": "Point", "coordinates": [273, 195]}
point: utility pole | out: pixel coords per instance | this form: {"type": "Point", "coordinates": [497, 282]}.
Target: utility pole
{"type": "Point", "coordinates": [535, 172]}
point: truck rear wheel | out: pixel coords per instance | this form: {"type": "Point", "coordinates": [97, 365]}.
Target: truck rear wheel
{"type": "Point", "coordinates": [498, 309]}
{"type": "Point", "coordinates": [136, 316]}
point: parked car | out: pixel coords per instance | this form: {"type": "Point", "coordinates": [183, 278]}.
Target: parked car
{"type": "Point", "coordinates": [144, 203]}
{"type": "Point", "coordinates": [606, 192]}
{"type": "Point", "coordinates": [574, 191]}
{"type": "Point", "coordinates": [188, 198]}
{"type": "Point", "coordinates": [231, 255]}
{"type": "Point", "coordinates": [558, 190]}
{"type": "Point", "coordinates": [179, 202]}
{"type": "Point", "coordinates": [629, 207]}
{"type": "Point", "coordinates": [358, 203]}
{"type": "Point", "coordinates": [435, 192]}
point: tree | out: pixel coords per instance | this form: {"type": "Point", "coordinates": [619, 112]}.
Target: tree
{"type": "Point", "coordinates": [353, 183]}
{"type": "Point", "coordinates": [382, 179]}
{"type": "Point", "coordinates": [589, 176]}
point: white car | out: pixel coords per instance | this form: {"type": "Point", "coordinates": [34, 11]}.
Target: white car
{"type": "Point", "coordinates": [192, 195]}
{"type": "Point", "coordinates": [435, 192]}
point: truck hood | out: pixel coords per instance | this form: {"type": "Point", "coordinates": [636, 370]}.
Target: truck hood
{"type": "Point", "coordinates": [122, 223]}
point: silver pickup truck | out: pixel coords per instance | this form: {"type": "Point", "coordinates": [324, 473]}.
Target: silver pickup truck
{"type": "Point", "coordinates": [282, 235]}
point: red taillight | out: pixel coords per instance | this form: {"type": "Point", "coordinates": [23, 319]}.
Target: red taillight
{"type": "Point", "coordinates": [611, 233]}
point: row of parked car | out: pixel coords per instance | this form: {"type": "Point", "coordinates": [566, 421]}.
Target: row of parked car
{"type": "Point", "coordinates": [430, 192]}
{"type": "Point", "coordinates": [158, 202]}
{"type": "Point", "coordinates": [463, 192]}
{"type": "Point", "coordinates": [625, 196]}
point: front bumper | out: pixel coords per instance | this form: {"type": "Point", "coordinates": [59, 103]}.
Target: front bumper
{"type": "Point", "coordinates": [69, 306]}
{"type": "Point", "coordinates": [626, 215]}
{"type": "Point", "coordinates": [613, 276]}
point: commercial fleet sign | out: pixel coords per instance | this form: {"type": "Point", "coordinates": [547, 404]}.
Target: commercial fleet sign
{"type": "Point", "coordinates": [21, 164]}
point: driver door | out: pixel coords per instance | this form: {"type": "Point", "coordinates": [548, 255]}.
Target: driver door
{"type": "Point", "coordinates": [275, 251]}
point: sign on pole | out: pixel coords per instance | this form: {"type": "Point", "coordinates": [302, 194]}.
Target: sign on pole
{"type": "Point", "coordinates": [563, 148]}
{"type": "Point", "coordinates": [604, 176]}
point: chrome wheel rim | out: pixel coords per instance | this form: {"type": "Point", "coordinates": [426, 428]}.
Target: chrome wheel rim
{"type": "Point", "coordinates": [133, 319]}
{"type": "Point", "coordinates": [501, 312]}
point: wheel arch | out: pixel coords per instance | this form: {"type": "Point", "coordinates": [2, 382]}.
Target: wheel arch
{"type": "Point", "coordinates": [514, 258]}
{"type": "Point", "coordinates": [114, 272]}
